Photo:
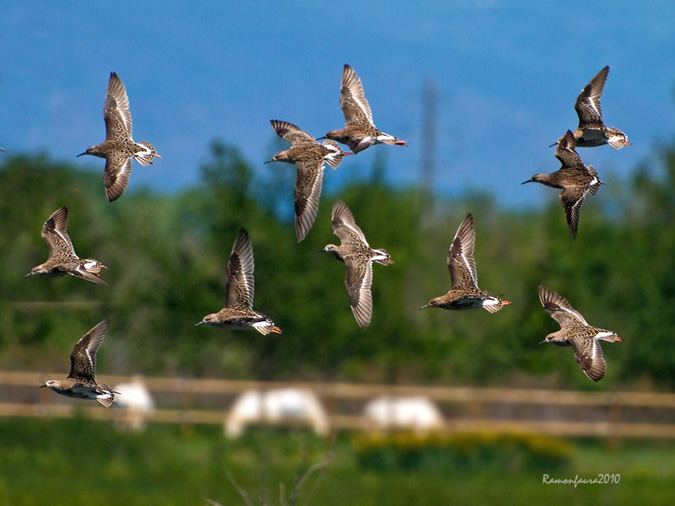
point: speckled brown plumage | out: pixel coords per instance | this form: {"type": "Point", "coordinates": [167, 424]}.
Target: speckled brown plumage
{"type": "Point", "coordinates": [119, 147]}
{"type": "Point", "coordinates": [574, 178]}
{"type": "Point", "coordinates": [308, 156]}
{"type": "Point", "coordinates": [238, 313]}
{"type": "Point", "coordinates": [62, 257]}
{"type": "Point", "coordinates": [464, 292]}
{"type": "Point", "coordinates": [575, 332]}
{"type": "Point", "coordinates": [358, 257]}
{"type": "Point", "coordinates": [592, 131]}
{"type": "Point", "coordinates": [81, 382]}
{"type": "Point", "coordinates": [359, 132]}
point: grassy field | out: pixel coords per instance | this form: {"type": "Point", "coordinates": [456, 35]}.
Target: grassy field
{"type": "Point", "coordinates": [81, 462]}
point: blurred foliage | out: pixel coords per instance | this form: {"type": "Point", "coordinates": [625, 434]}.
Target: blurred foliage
{"type": "Point", "coordinates": [167, 256]}
{"type": "Point", "coordinates": [81, 462]}
{"type": "Point", "coordinates": [462, 452]}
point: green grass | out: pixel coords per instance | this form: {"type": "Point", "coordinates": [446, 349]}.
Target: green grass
{"type": "Point", "coordinates": [81, 462]}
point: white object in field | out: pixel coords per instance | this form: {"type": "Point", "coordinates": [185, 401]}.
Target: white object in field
{"type": "Point", "coordinates": [416, 413]}
{"type": "Point", "coordinates": [274, 407]}
{"type": "Point", "coordinates": [136, 402]}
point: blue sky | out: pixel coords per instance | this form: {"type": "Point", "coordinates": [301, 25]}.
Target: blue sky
{"type": "Point", "coordinates": [506, 73]}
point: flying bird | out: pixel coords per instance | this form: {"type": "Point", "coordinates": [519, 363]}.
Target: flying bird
{"type": "Point", "coordinates": [575, 179]}
{"type": "Point", "coordinates": [238, 313]}
{"type": "Point", "coordinates": [119, 147]}
{"type": "Point", "coordinates": [308, 156]}
{"type": "Point", "coordinates": [360, 132]}
{"type": "Point", "coordinates": [575, 332]}
{"type": "Point", "coordinates": [464, 292]}
{"type": "Point", "coordinates": [81, 382]}
{"type": "Point", "coordinates": [62, 257]}
{"type": "Point", "coordinates": [358, 257]}
{"type": "Point", "coordinates": [592, 131]}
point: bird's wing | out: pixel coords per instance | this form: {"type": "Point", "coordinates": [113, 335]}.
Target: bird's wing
{"type": "Point", "coordinates": [307, 194]}
{"type": "Point", "coordinates": [358, 282]}
{"type": "Point", "coordinates": [81, 272]}
{"type": "Point", "coordinates": [290, 132]}
{"type": "Point", "coordinates": [240, 267]}
{"type": "Point", "coordinates": [83, 356]}
{"type": "Point", "coordinates": [352, 99]}
{"type": "Point", "coordinates": [588, 102]}
{"type": "Point", "coordinates": [572, 198]}
{"type": "Point", "coordinates": [566, 152]}
{"type": "Point", "coordinates": [116, 175]}
{"type": "Point", "coordinates": [55, 235]}
{"type": "Point", "coordinates": [559, 309]}
{"type": "Point", "coordinates": [460, 261]}
{"type": "Point", "coordinates": [588, 354]}
{"type": "Point", "coordinates": [116, 110]}
{"type": "Point", "coordinates": [345, 227]}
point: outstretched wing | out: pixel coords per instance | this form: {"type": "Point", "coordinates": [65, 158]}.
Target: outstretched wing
{"type": "Point", "coordinates": [559, 309]}
{"type": "Point", "coordinates": [240, 273]}
{"type": "Point", "coordinates": [588, 102]}
{"type": "Point", "coordinates": [352, 99]}
{"type": "Point", "coordinates": [116, 175]}
{"type": "Point", "coordinates": [116, 110]}
{"type": "Point", "coordinates": [290, 132]}
{"type": "Point", "coordinates": [588, 354]}
{"type": "Point", "coordinates": [307, 194]}
{"type": "Point", "coordinates": [55, 235]}
{"type": "Point", "coordinates": [83, 356]}
{"type": "Point", "coordinates": [359, 280]}
{"type": "Point", "coordinates": [460, 256]}
{"type": "Point", "coordinates": [566, 152]}
{"type": "Point", "coordinates": [572, 198]}
{"type": "Point", "coordinates": [345, 227]}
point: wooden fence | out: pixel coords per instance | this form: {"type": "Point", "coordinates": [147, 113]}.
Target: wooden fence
{"type": "Point", "coordinates": [612, 415]}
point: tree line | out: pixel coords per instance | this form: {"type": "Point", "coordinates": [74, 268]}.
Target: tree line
{"type": "Point", "coordinates": [167, 255]}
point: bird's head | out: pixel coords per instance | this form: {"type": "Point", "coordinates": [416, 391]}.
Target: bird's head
{"type": "Point", "coordinates": [432, 303]}
{"type": "Point", "coordinates": [37, 270]}
{"type": "Point", "coordinates": [209, 319]}
{"type": "Point", "coordinates": [93, 150]}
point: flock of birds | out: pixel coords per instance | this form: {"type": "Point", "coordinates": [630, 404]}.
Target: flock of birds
{"type": "Point", "coordinates": [309, 156]}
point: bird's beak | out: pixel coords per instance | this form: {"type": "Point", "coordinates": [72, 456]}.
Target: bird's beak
{"type": "Point", "coordinates": [542, 342]}
{"type": "Point", "coordinates": [528, 181]}
{"type": "Point", "coordinates": [554, 144]}
{"type": "Point", "coordinates": [619, 339]}
{"type": "Point", "coordinates": [28, 275]}
{"type": "Point", "coordinates": [103, 266]}
{"type": "Point", "coordinates": [157, 156]}
{"type": "Point", "coordinates": [43, 386]}
{"type": "Point", "coordinates": [81, 154]}
{"type": "Point", "coordinates": [268, 161]}
{"type": "Point", "coordinates": [320, 138]}
{"type": "Point", "coordinates": [506, 303]}
{"type": "Point", "coordinates": [424, 306]}
{"type": "Point", "coordinates": [199, 323]}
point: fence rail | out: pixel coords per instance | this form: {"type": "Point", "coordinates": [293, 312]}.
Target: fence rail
{"type": "Point", "coordinates": [471, 402]}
